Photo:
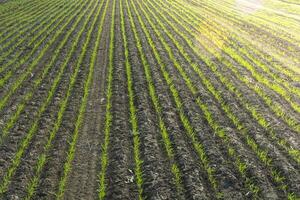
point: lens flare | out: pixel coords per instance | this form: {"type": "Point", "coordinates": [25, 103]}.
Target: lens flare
{"type": "Point", "coordinates": [248, 6]}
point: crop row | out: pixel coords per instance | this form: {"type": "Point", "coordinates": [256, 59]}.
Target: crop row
{"type": "Point", "coordinates": [27, 9]}
{"type": "Point", "coordinates": [26, 22]}
{"type": "Point", "coordinates": [239, 95]}
{"type": "Point", "coordinates": [36, 60]}
{"type": "Point", "coordinates": [262, 154]}
{"type": "Point", "coordinates": [41, 39]}
{"type": "Point", "coordinates": [193, 57]}
{"type": "Point", "coordinates": [274, 40]}
{"type": "Point", "coordinates": [43, 157]}
{"type": "Point", "coordinates": [37, 82]}
{"type": "Point", "coordinates": [179, 104]}
{"type": "Point", "coordinates": [276, 29]}
{"type": "Point", "coordinates": [249, 50]}
{"type": "Point", "coordinates": [260, 78]}
{"type": "Point", "coordinates": [251, 108]}
{"type": "Point", "coordinates": [202, 106]}
{"type": "Point", "coordinates": [274, 106]}
{"type": "Point", "coordinates": [152, 93]}
{"type": "Point", "coordinates": [71, 151]}
{"type": "Point", "coordinates": [13, 40]}
{"type": "Point", "coordinates": [34, 126]}
{"type": "Point", "coordinates": [280, 22]}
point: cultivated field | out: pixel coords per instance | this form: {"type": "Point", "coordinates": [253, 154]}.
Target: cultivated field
{"type": "Point", "coordinates": [149, 99]}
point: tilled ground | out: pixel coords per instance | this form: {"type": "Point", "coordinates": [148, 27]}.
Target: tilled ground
{"type": "Point", "coordinates": [128, 99]}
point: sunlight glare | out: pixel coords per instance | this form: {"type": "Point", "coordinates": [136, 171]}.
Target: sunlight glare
{"type": "Point", "coordinates": [248, 6]}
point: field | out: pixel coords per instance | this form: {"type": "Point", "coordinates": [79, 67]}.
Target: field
{"type": "Point", "coordinates": [151, 99]}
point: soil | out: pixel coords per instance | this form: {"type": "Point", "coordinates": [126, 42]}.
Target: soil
{"type": "Point", "coordinates": [158, 178]}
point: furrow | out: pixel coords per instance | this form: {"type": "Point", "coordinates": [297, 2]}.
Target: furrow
{"type": "Point", "coordinates": [14, 39]}
{"type": "Point", "coordinates": [155, 173]}
{"type": "Point", "coordinates": [34, 126]}
{"type": "Point", "coordinates": [184, 120]}
{"type": "Point", "coordinates": [249, 141]}
{"type": "Point", "coordinates": [262, 121]}
{"type": "Point", "coordinates": [27, 94]}
{"type": "Point", "coordinates": [14, 30]}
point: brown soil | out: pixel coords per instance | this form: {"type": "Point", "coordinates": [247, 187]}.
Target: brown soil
{"type": "Point", "coordinates": [156, 167]}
